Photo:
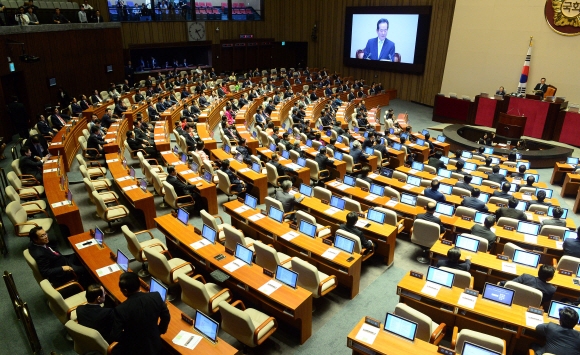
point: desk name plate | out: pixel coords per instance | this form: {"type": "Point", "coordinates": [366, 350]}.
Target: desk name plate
{"type": "Point", "coordinates": [416, 274]}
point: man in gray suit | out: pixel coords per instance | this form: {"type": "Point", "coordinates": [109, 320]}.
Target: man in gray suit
{"type": "Point", "coordinates": [485, 231]}
{"type": "Point", "coordinates": [556, 220]}
{"type": "Point", "coordinates": [285, 197]}
{"type": "Point", "coordinates": [465, 183]}
{"type": "Point", "coordinates": [474, 202]}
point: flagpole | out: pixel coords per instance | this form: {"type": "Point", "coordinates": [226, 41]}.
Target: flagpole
{"type": "Point", "coordinates": [531, 37]}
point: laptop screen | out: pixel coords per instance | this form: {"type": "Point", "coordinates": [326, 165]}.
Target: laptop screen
{"type": "Point", "coordinates": [481, 216]}
{"type": "Point", "coordinates": [526, 258]}
{"type": "Point", "coordinates": [175, 149]}
{"type": "Point", "coordinates": [391, 130]}
{"type": "Point", "coordinates": [239, 157]}
{"type": "Point", "coordinates": [408, 199]}
{"type": "Point", "coordinates": [444, 208]}
{"type": "Point", "coordinates": [206, 326]}
{"type": "Point", "coordinates": [420, 142]}
{"type": "Point", "coordinates": [498, 294]}
{"type": "Point", "coordinates": [445, 189]}
{"type": "Point", "coordinates": [414, 180]}
{"type": "Point", "coordinates": [122, 260]}
{"type": "Point", "coordinates": [339, 139]}
{"type": "Point", "coordinates": [470, 166]}
{"type": "Point", "coordinates": [396, 146]}
{"type": "Point", "coordinates": [472, 349]}
{"type": "Point", "coordinates": [337, 202]}
{"type": "Point", "coordinates": [194, 167]}
{"type": "Point", "coordinates": [424, 132]}
{"type": "Point", "coordinates": [208, 233]}
{"type": "Point", "coordinates": [306, 190]}
{"type": "Point", "coordinates": [99, 236]}
{"type": "Point", "coordinates": [417, 166]}
{"type": "Point", "coordinates": [528, 228]}
{"type": "Point", "coordinates": [503, 172]}
{"type": "Point", "coordinates": [467, 155]}
{"type": "Point", "coordinates": [285, 154]}
{"type": "Point", "coordinates": [527, 165]}
{"type": "Point", "coordinates": [307, 228]}
{"type": "Point", "coordinates": [488, 150]}
{"type": "Point", "coordinates": [369, 150]}
{"type": "Point", "coordinates": [444, 173]}
{"type": "Point", "coordinates": [227, 149]}
{"type": "Point", "coordinates": [467, 243]}
{"type": "Point", "coordinates": [376, 216]}
{"type": "Point", "coordinates": [143, 184]}
{"type": "Point", "coordinates": [476, 180]}
{"type": "Point", "coordinates": [441, 139]}
{"type": "Point", "coordinates": [555, 306]}
{"type": "Point", "coordinates": [207, 176]}
{"type": "Point", "coordinates": [404, 135]}
{"type": "Point", "coordinates": [522, 206]}
{"type": "Point", "coordinates": [250, 201]}
{"type": "Point", "coordinates": [348, 180]}
{"type": "Point", "coordinates": [257, 167]}
{"type": "Point", "coordinates": [309, 143]}
{"type": "Point", "coordinates": [183, 157]}
{"type": "Point", "coordinates": [445, 160]}
{"type": "Point", "coordinates": [494, 160]}
{"type": "Point", "coordinates": [343, 243]}
{"type": "Point", "coordinates": [567, 234]}
{"type": "Point", "coordinates": [440, 277]}
{"type": "Point", "coordinates": [400, 326]}
{"type": "Point", "coordinates": [132, 172]}
{"type": "Point", "coordinates": [549, 192]}
{"type": "Point", "coordinates": [377, 190]}
{"type": "Point", "coordinates": [518, 156]}
{"type": "Point", "coordinates": [182, 216]}
{"type": "Point", "coordinates": [287, 277]}
{"type": "Point", "coordinates": [355, 129]}
{"type": "Point", "coordinates": [338, 155]}
{"type": "Point", "coordinates": [244, 254]}
{"type": "Point", "coordinates": [301, 162]}
{"type": "Point", "coordinates": [156, 286]}
{"type": "Point", "coordinates": [571, 160]}
{"type": "Point", "coordinates": [483, 197]}
{"type": "Point", "coordinates": [273, 147]}
{"type": "Point", "coordinates": [551, 212]}
{"type": "Point", "coordinates": [387, 172]}
{"type": "Point", "coordinates": [276, 214]}
{"type": "Point", "coordinates": [536, 177]}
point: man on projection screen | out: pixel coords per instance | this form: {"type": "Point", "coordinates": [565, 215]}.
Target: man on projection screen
{"type": "Point", "coordinates": [380, 48]}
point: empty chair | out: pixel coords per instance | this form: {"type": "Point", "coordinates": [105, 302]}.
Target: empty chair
{"type": "Point", "coordinates": [380, 160]}
{"type": "Point", "coordinates": [24, 192]}
{"type": "Point", "coordinates": [99, 183]}
{"type": "Point", "coordinates": [509, 249]}
{"type": "Point", "coordinates": [427, 330]}
{"type": "Point", "coordinates": [358, 248]}
{"type": "Point", "coordinates": [234, 236]}
{"type": "Point", "coordinates": [158, 180]}
{"type": "Point", "coordinates": [201, 295]}
{"type": "Point", "coordinates": [494, 200]}
{"type": "Point", "coordinates": [212, 222]}
{"type": "Point", "coordinates": [321, 193]}
{"type": "Point", "coordinates": [63, 308]}
{"type": "Point", "coordinates": [362, 183]}
{"type": "Point", "coordinates": [425, 234]}
{"type": "Point", "coordinates": [167, 270]}
{"type": "Point", "coordinates": [457, 176]}
{"type": "Point", "coordinates": [525, 296]}
{"type": "Point", "coordinates": [537, 207]}
{"type": "Point", "coordinates": [352, 205]}
{"type": "Point", "coordinates": [26, 180]}
{"type": "Point", "coordinates": [174, 201]}
{"type": "Point", "coordinates": [31, 207]}
{"type": "Point", "coordinates": [506, 221]}
{"type": "Point", "coordinates": [491, 184]}
{"type": "Point", "coordinates": [249, 326]}
{"type": "Point", "coordinates": [423, 201]}
{"type": "Point", "coordinates": [108, 196]}
{"type": "Point", "coordinates": [109, 214]}
{"type": "Point", "coordinates": [136, 247]}
{"type": "Point", "coordinates": [458, 191]}
{"type": "Point", "coordinates": [392, 193]}
{"type": "Point", "coordinates": [463, 279]}
{"type": "Point", "coordinates": [425, 183]}
{"type": "Point", "coordinates": [22, 225]}
{"type": "Point", "coordinates": [397, 175]}
{"type": "Point", "coordinates": [321, 231]}
{"type": "Point", "coordinates": [87, 340]}
{"type": "Point", "coordinates": [528, 189]}
{"type": "Point", "coordinates": [484, 169]}
{"type": "Point", "coordinates": [309, 278]}
{"type": "Point", "coordinates": [430, 169]}
{"type": "Point", "coordinates": [568, 263]}
{"type": "Point", "coordinates": [268, 258]}
{"type": "Point", "coordinates": [95, 171]}
{"type": "Point", "coordinates": [225, 185]}
{"type": "Point", "coordinates": [477, 338]}
{"type": "Point", "coordinates": [463, 211]}
{"type": "Point", "coordinates": [132, 159]}
{"type": "Point", "coordinates": [316, 175]}
{"type": "Point", "coordinates": [553, 230]}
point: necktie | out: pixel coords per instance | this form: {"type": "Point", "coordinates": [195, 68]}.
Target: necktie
{"type": "Point", "coordinates": [52, 251]}
{"type": "Point", "coordinates": [61, 120]}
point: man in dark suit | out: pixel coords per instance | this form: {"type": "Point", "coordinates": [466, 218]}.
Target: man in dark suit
{"type": "Point", "coordinates": [107, 120]}
{"type": "Point", "coordinates": [560, 339]}
{"type": "Point", "coordinates": [556, 220]}
{"type": "Point", "coordinates": [541, 86]}
{"type": "Point", "coordinates": [139, 97]}
{"type": "Point", "coordinates": [75, 107]}
{"type": "Point", "coordinates": [350, 226]}
{"type": "Point", "coordinates": [474, 202]}
{"type": "Point", "coordinates": [54, 266]}
{"type": "Point", "coordinates": [58, 120]}
{"type": "Point", "coordinates": [433, 192]}
{"type": "Point", "coordinates": [571, 246]}
{"type": "Point", "coordinates": [31, 165]}
{"type": "Point", "coordinates": [484, 231]}
{"type": "Point", "coordinates": [245, 151]}
{"type": "Point", "coordinates": [135, 144]}
{"type": "Point", "coordinates": [521, 172]}
{"type": "Point", "coordinates": [43, 127]}
{"type": "Point", "coordinates": [504, 193]}
{"type": "Point", "coordinates": [356, 153]}
{"type": "Point", "coordinates": [96, 98]}
{"type": "Point", "coordinates": [203, 103]}
{"type": "Point", "coordinates": [322, 160]}
{"type": "Point", "coordinates": [435, 161]}
{"type": "Point", "coordinates": [351, 95]}
{"type": "Point", "coordinates": [189, 139]}
{"type": "Point", "coordinates": [237, 184]}
{"type": "Point", "coordinates": [541, 283]}
{"type": "Point", "coordinates": [495, 176]}
{"type": "Point", "coordinates": [288, 200]}
{"type": "Point", "coordinates": [453, 262]}
{"type": "Point", "coordinates": [541, 196]}
{"type": "Point", "coordinates": [465, 184]}
{"type": "Point", "coordinates": [93, 315]}
{"type": "Point", "coordinates": [140, 320]}
{"type": "Point", "coordinates": [428, 216]}
{"type": "Point", "coordinates": [95, 142]}
{"type": "Point", "coordinates": [181, 188]}
{"type": "Point", "coordinates": [280, 169]}
{"type": "Point", "coordinates": [511, 211]}
{"type": "Point", "coordinates": [37, 145]}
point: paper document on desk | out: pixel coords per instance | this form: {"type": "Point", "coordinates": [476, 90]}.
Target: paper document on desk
{"type": "Point", "coordinates": [194, 179]}
{"type": "Point", "coordinates": [532, 319]}
{"type": "Point", "coordinates": [159, 134]}
{"type": "Point", "coordinates": [123, 178]}
{"type": "Point", "coordinates": [60, 204]}
{"type": "Point", "coordinates": [467, 301]}
{"type": "Point", "coordinates": [112, 160]}
{"type": "Point", "coordinates": [437, 214]}
{"type": "Point", "coordinates": [532, 239]}
{"type": "Point", "coordinates": [49, 170]}
{"type": "Point", "coordinates": [56, 143]}
{"type": "Point", "coordinates": [186, 339]}
{"type": "Point", "coordinates": [188, 171]}
{"type": "Point", "coordinates": [530, 216]}
{"type": "Point", "coordinates": [130, 187]}
{"type": "Point", "coordinates": [431, 289]}
{"type": "Point", "coordinates": [373, 175]}
{"type": "Point", "coordinates": [200, 244]}
{"type": "Point", "coordinates": [166, 152]}
{"type": "Point", "coordinates": [244, 170]}
{"type": "Point", "coordinates": [391, 203]}
{"type": "Point", "coordinates": [266, 151]}
{"type": "Point", "coordinates": [86, 243]}
{"type": "Point", "coordinates": [293, 166]}
{"type": "Point", "coordinates": [159, 140]}
{"type": "Point", "coordinates": [242, 209]}
{"type": "Point", "coordinates": [52, 161]}
{"type": "Point", "coordinates": [508, 267]}
{"type": "Point", "coordinates": [234, 265]}
{"type": "Point", "coordinates": [334, 183]}
{"type": "Point", "coordinates": [343, 187]}
{"type": "Point", "coordinates": [361, 223]}
{"type": "Point", "coordinates": [408, 186]}
{"type": "Point", "coordinates": [526, 197]}
{"type": "Point", "coordinates": [332, 210]}
{"type": "Point", "coordinates": [290, 235]}
{"type": "Point", "coordinates": [330, 253]}
{"type": "Point", "coordinates": [367, 333]}
{"type": "Point", "coordinates": [206, 139]}
{"type": "Point", "coordinates": [256, 217]}
{"type": "Point", "coordinates": [108, 270]}
{"type": "Point", "coordinates": [413, 171]}
{"type": "Point", "coordinates": [559, 245]}
{"type": "Point", "coordinates": [177, 163]}
{"type": "Point", "coordinates": [269, 287]}
{"type": "Point", "coordinates": [371, 197]}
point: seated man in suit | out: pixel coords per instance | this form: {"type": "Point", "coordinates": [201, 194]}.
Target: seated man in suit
{"type": "Point", "coordinates": [380, 48]}
{"type": "Point", "coordinates": [505, 189]}
{"type": "Point", "coordinates": [428, 216]}
{"type": "Point", "coordinates": [556, 220]}
{"type": "Point", "coordinates": [474, 202]}
{"type": "Point", "coordinates": [75, 107]}
{"type": "Point", "coordinates": [350, 226]}
{"type": "Point", "coordinates": [322, 160]}
{"type": "Point", "coordinates": [364, 174]}
{"type": "Point", "coordinates": [521, 172]}
{"type": "Point", "coordinates": [288, 200]}
{"type": "Point", "coordinates": [495, 176]}
{"type": "Point", "coordinates": [44, 128]}
{"type": "Point", "coordinates": [58, 120]}
{"type": "Point", "coordinates": [453, 262]}
{"type": "Point", "coordinates": [435, 161]}
{"type": "Point", "coordinates": [107, 120]}
{"type": "Point", "coordinates": [54, 266]}
{"type": "Point", "coordinates": [465, 184]}
{"type": "Point", "coordinates": [95, 142]}
{"type": "Point", "coordinates": [511, 211]}
{"type": "Point", "coordinates": [93, 315]}
{"type": "Point", "coordinates": [30, 165]}
{"type": "Point", "coordinates": [357, 154]}
{"type": "Point", "coordinates": [484, 231]}
{"type": "Point", "coordinates": [96, 98]}
{"type": "Point", "coordinates": [541, 283]}
{"type": "Point", "coordinates": [541, 87]}
{"type": "Point", "coordinates": [140, 144]}
{"type": "Point", "coordinates": [433, 192]}
{"type": "Point", "coordinates": [244, 150]}
{"type": "Point", "coordinates": [562, 338]}
{"type": "Point", "coordinates": [237, 185]}
{"type": "Point", "coordinates": [37, 145]}
{"type": "Point", "coordinates": [571, 246]}
{"type": "Point", "coordinates": [181, 188]}
{"type": "Point", "coordinates": [458, 157]}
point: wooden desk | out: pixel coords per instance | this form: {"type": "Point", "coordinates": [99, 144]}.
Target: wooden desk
{"type": "Point", "coordinates": [291, 306]}
{"type": "Point", "coordinates": [69, 147]}
{"type": "Point", "coordinates": [140, 200]}
{"type": "Point", "coordinates": [444, 147]}
{"type": "Point", "coordinates": [258, 180]}
{"type": "Point", "coordinates": [68, 217]}
{"type": "Point", "coordinates": [251, 142]}
{"type": "Point", "coordinates": [422, 151]}
{"type": "Point", "coordinates": [559, 173]}
{"type": "Point", "coordinates": [387, 343]}
{"type": "Point", "coordinates": [384, 236]}
{"type": "Point", "coordinates": [570, 185]}
{"type": "Point", "coordinates": [269, 231]}
{"type": "Point", "coordinates": [208, 191]}
{"type": "Point", "coordinates": [371, 160]}
{"type": "Point", "coordinates": [303, 175]}
{"type": "Point", "coordinates": [94, 258]}
{"type": "Point", "coordinates": [204, 133]}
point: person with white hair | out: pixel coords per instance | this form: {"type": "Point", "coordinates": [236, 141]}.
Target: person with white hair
{"type": "Point", "coordinates": [356, 153]}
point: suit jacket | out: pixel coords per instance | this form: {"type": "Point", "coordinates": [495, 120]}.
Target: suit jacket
{"type": "Point", "coordinates": [464, 185]}
{"type": "Point", "coordinates": [554, 222]}
{"type": "Point", "coordinates": [431, 218]}
{"type": "Point", "coordinates": [76, 108]}
{"type": "Point", "coordinates": [540, 86]}
{"type": "Point", "coordinates": [30, 166]}
{"type": "Point", "coordinates": [96, 99]}
{"type": "Point", "coordinates": [139, 97]}
{"type": "Point", "coordinates": [136, 326]}
{"type": "Point", "coordinates": [436, 163]}
{"type": "Point", "coordinates": [501, 194]}
{"type": "Point", "coordinates": [435, 195]}
{"type": "Point", "coordinates": [532, 281]}
{"type": "Point", "coordinates": [483, 232]}
{"type": "Point", "coordinates": [356, 155]}
{"type": "Point", "coordinates": [499, 178]}
{"type": "Point", "coordinates": [354, 230]}
{"type": "Point", "coordinates": [372, 48]}
{"type": "Point", "coordinates": [453, 265]}
{"type": "Point", "coordinates": [233, 177]}
{"type": "Point", "coordinates": [286, 199]}
{"type": "Point", "coordinates": [43, 127]}
{"type": "Point", "coordinates": [96, 317]}
{"type": "Point", "coordinates": [152, 113]}
{"type": "Point", "coordinates": [94, 141]}
{"type": "Point", "coordinates": [475, 203]}
{"type": "Point", "coordinates": [322, 161]}
{"type": "Point", "coordinates": [42, 152]}
{"type": "Point", "coordinates": [511, 213]}
{"type": "Point", "coordinates": [571, 247]}
{"type": "Point", "coordinates": [56, 123]}
{"type": "Point", "coordinates": [50, 264]}
{"type": "Point", "coordinates": [181, 189]}
{"type": "Point", "coordinates": [559, 340]}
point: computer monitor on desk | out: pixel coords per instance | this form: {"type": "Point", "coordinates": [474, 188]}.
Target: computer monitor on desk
{"type": "Point", "coordinates": [285, 154]}
{"type": "Point", "coordinates": [481, 216]}
{"type": "Point", "coordinates": [472, 349]}
{"type": "Point", "coordinates": [132, 172]}
{"type": "Point", "coordinates": [250, 201]}
{"type": "Point", "coordinates": [420, 142]}
{"type": "Point", "coordinates": [466, 243]}
{"type": "Point", "coordinates": [555, 306]}
{"type": "Point", "coordinates": [572, 160]}
{"type": "Point", "coordinates": [156, 286]}
{"type": "Point", "coordinates": [444, 209]}
{"type": "Point", "coordinates": [276, 214]}
{"type": "Point", "coordinates": [194, 167]}
{"type": "Point", "coordinates": [305, 190]}
{"type": "Point", "coordinates": [414, 180]}
{"type": "Point", "coordinates": [206, 326]}
{"type": "Point", "coordinates": [386, 172]}
{"type": "Point", "coordinates": [337, 202]}
{"type": "Point", "coordinates": [122, 260]}
{"type": "Point", "coordinates": [470, 166]}
{"type": "Point", "coordinates": [440, 277]}
{"type": "Point", "coordinates": [526, 258]}
{"type": "Point", "coordinates": [183, 216]}
{"type": "Point", "coordinates": [498, 294]}
{"type": "Point", "coordinates": [488, 150]}
{"type": "Point", "coordinates": [375, 216]}
{"type": "Point", "coordinates": [476, 180]}
{"type": "Point", "coordinates": [417, 166]}
{"type": "Point", "coordinates": [551, 212]}
{"type": "Point", "coordinates": [208, 233]}
{"type": "Point", "coordinates": [401, 326]}
{"type": "Point", "coordinates": [522, 205]}
{"type": "Point", "coordinates": [445, 189]}
{"type": "Point", "coordinates": [445, 160]}
{"type": "Point", "coordinates": [467, 155]}
{"type": "Point", "coordinates": [256, 167]}
{"type": "Point", "coordinates": [348, 180]}
{"type": "Point", "coordinates": [307, 228]}
{"type": "Point", "coordinates": [377, 190]}
{"type": "Point", "coordinates": [244, 254]}
{"type": "Point", "coordinates": [528, 228]}
{"type": "Point", "coordinates": [570, 234]}
{"type": "Point", "coordinates": [287, 277]}
{"type": "Point", "coordinates": [99, 236]}
{"type": "Point", "coordinates": [483, 197]}
{"type": "Point", "coordinates": [338, 155]}
{"type": "Point", "coordinates": [441, 139]}
{"type": "Point", "coordinates": [444, 173]}
{"type": "Point", "coordinates": [396, 146]}
{"type": "Point", "coordinates": [409, 199]}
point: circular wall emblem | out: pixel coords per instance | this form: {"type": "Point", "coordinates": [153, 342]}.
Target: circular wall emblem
{"type": "Point", "coordinates": [563, 16]}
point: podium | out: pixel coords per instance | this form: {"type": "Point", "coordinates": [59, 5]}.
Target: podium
{"type": "Point", "coordinates": [509, 126]}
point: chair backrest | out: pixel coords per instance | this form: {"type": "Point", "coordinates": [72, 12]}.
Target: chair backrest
{"type": "Point", "coordinates": [509, 249]}
{"type": "Point", "coordinates": [357, 243]}
{"type": "Point", "coordinates": [390, 216]}
{"type": "Point", "coordinates": [272, 174]}
{"type": "Point", "coordinates": [266, 256]}
{"type": "Point", "coordinates": [233, 236]}
{"type": "Point", "coordinates": [16, 166]}
{"type": "Point", "coordinates": [463, 211]}
{"type": "Point", "coordinates": [237, 323]}
{"type": "Point", "coordinates": [100, 203]}
{"type": "Point", "coordinates": [158, 184]}
{"type": "Point", "coordinates": [86, 340]}
{"type": "Point", "coordinates": [209, 219]}
{"type": "Point", "coordinates": [14, 181]}
{"type": "Point", "coordinates": [425, 233]}
{"type": "Point", "coordinates": [81, 160]}
{"type": "Point", "coordinates": [362, 183]}
{"type": "Point", "coordinates": [390, 192]}
{"type": "Point", "coordinates": [272, 202]}
{"type": "Point", "coordinates": [511, 164]}
{"type": "Point", "coordinates": [457, 176]}
{"type": "Point", "coordinates": [462, 278]}
{"type": "Point", "coordinates": [33, 265]}
{"type": "Point", "coordinates": [423, 201]}
{"type": "Point", "coordinates": [425, 183]}
{"type": "Point", "coordinates": [399, 175]}
{"type": "Point", "coordinates": [55, 301]}
{"type": "Point", "coordinates": [224, 183]}
{"type": "Point", "coordinates": [485, 169]}
{"type": "Point", "coordinates": [349, 162]}
{"type": "Point", "coordinates": [158, 265]}
{"type": "Point", "coordinates": [194, 294]}
{"type": "Point", "coordinates": [352, 205]}
{"type": "Point", "coordinates": [537, 207]}
{"type": "Point", "coordinates": [12, 194]}
{"type": "Point", "coordinates": [132, 243]}
{"type": "Point", "coordinates": [553, 230]}
{"type": "Point", "coordinates": [528, 189]}
{"type": "Point", "coordinates": [568, 263]}
{"type": "Point", "coordinates": [16, 213]}
{"type": "Point", "coordinates": [321, 193]}
{"type": "Point", "coordinates": [460, 191]}
{"type": "Point", "coordinates": [494, 200]}
{"type": "Point", "coordinates": [170, 196]}
{"type": "Point", "coordinates": [314, 168]}
{"type": "Point", "coordinates": [506, 221]}
{"type": "Point", "coordinates": [525, 296]}
{"type": "Point", "coordinates": [308, 277]}
{"type": "Point", "coordinates": [481, 339]}
{"type": "Point", "coordinates": [490, 183]}
{"type": "Point", "coordinates": [424, 322]}
{"type": "Point", "coordinates": [430, 169]}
